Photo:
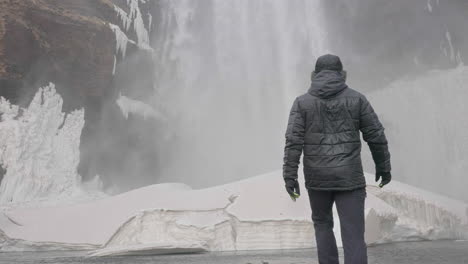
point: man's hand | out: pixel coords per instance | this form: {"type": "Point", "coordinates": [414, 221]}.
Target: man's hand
{"type": "Point", "coordinates": [292, 187]}
{"type": "Point", "coordinates": [386, 178]}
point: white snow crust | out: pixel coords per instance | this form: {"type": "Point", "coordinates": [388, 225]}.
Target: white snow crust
{"type": "Point", "coordinates": [128, 105]}
{"type": "Point", "coordinates": [254, 213]}
{"type": "Point", "coordinates": [39, 148]}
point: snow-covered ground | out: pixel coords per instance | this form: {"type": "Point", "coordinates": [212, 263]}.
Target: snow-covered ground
{"type": "Point", "coordinates": [255, 213]}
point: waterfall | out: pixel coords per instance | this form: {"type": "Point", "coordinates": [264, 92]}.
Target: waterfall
{"type": "Point", "coordinates": [226, 74]}
{"type": "Point", "coordinates": [425, 121]}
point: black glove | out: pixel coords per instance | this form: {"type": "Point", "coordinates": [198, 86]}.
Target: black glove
{"type": "Point", "coordinates": [386, 178]}
{"type": "Point", "coordinates": [292, 187]}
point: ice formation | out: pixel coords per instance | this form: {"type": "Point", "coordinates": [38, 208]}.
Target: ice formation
{"type": "Point", "coordinates": [121, 40]}
{"type": "Point", "coordinates": [150, 21]}
{"type": "Point", "coordinates": [166, 218]}
{"type": "Point", "coordinates": [115, 64]}
{"type": "Point", "coordinates": [138, 24]}
{"type": "Point", "coordinates": [128, 105]}
{"type": "Point", "coordinates": [39, 148]}
{"type": "Point", "coordinates": [126, 20]}
{"type": "Point", "coordinates": [134, 17]}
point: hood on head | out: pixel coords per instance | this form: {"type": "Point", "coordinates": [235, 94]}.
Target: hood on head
{"type": "Point", "coordinates": [327, 83]}
{"type": "Point", "coordinates": [328, 62]}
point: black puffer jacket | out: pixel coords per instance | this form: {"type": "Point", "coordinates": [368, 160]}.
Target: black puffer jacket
{"type": "Point", "coordinates": [324, 123]}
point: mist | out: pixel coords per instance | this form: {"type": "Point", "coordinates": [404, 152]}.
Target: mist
{"type": "Point", "coordinates": [226, 73]}
{"type": "Point", "coordinates": [220, 77]}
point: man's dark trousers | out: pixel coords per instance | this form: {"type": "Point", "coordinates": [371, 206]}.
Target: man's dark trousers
{"type": "Point", "coordinates": [350, 207]}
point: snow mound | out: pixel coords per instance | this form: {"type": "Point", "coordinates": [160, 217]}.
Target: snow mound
{"type": "Point", "coordinates": [39, 149]}
{"type": "Point", "coordinates": [422, 214]}
{"type": "Point", "coordinates": [172, 217]}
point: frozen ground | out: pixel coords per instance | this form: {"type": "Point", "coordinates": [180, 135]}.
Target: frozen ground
{"type": "Point", "coordinates": [429, 252]}
{"type": "Point", "coordinates": [173, 218]}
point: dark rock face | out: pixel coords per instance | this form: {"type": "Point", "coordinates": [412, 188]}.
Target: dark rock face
{"type": "Point", "coordinates": [56, 41]}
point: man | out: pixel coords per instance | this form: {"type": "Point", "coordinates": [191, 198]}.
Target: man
{"type": "Point", "coordinates": [324, 123]}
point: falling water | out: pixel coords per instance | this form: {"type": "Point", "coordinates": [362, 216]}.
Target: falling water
{"type": "Point", "coordinates": [226, 75]}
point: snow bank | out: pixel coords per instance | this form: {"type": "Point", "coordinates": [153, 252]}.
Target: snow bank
{"type": "Point", "coordinates": [39, 148]}
{"type": "Point", "coordinates": [422, 214]}
{"type": "Point", "coordinates": [255, 213]}
{"type": "Point", "coordinates": [128, 105]}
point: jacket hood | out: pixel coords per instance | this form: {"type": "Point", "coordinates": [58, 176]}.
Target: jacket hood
{"type": "Point", "coordinates": [327, 84]}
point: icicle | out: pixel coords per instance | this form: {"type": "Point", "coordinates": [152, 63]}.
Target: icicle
{"type": "Point", "coordinates": [138, 24]}
{"type": "Point", "coordinates": [115, 62]}
{"type": "Point", "coordinates": [150, 22]}
{"type": "Point", "coordinates": [121, 40]}
{"type": "Point", "coordinates": [124, 17]}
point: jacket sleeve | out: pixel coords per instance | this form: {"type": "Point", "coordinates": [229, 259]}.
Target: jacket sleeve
{"type": "Point", "coordinates": [373, 133]}
{"type": "Point", "coordinates": [294, 142]}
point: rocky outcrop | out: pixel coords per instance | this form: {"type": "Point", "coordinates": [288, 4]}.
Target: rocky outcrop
{"type": "Point", "coordinates": [61, 41]}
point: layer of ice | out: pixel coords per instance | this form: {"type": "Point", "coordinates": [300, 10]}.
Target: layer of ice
{"type": "Point", "coordinates": [255, 213]}
{"type": "Point", "coordinates": [128, 105]}
{"type": "Point", "coordinates": [39, 148]}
